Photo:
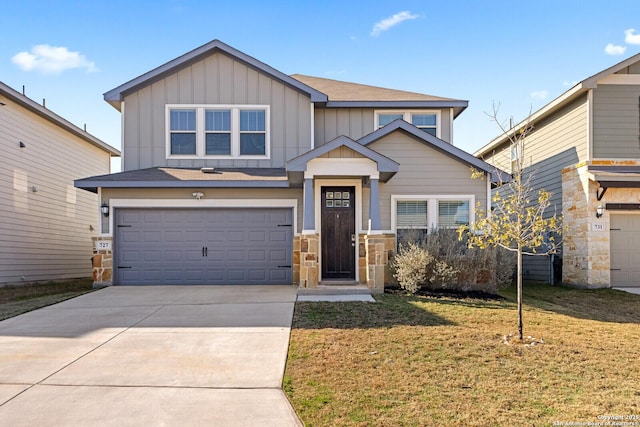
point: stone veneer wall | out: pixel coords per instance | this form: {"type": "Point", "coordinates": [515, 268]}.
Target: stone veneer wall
{"type": "Point", "coordinates": [586, 244]}
{"type": "Point", "coordinates": [379, 248]}
{"type": "Point", "coordinates": [102, 263]}
{"type": "Point", "coordinates": [307, 258]}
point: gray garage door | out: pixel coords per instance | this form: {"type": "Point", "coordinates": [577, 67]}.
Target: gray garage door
{"type": "Point", "coordinates": [625, 250]}
{"type": "Point", "coordinates": [203, 246]}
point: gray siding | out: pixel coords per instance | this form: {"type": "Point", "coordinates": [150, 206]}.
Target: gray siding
{"type": "Point", "coordinates": [423, 171]}
{"type": "Point", "coordinates": [616, 122]}
{"type": "Point", "coordinates": [45, 234]}
{"type": "Point", "coordinates": [555, 143]}
{"type": "Point", "coordinates": [355, 123]}
{"type": "Point", "coordinates": [210, 193]}
{"type": "Point", "coordinates": [217, 79]}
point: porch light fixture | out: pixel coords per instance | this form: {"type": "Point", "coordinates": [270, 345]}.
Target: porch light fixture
{"type": "Point", "coordinates": [104, 208]}
{"type": "Point", "coordinates": [599, 211]}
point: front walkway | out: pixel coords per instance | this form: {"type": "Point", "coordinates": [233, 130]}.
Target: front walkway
{"type": "Point", "coordinates": [169, 355]}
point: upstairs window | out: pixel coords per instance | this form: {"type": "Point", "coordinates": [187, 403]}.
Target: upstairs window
{"type": "Point", "coordinates": [217, 131]}
{"type": "Point", "coordinates": [428, 121]}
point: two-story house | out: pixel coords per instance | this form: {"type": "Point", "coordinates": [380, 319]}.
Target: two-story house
{"type": "Point", "coordinates": [584, 146]}
{"type": "Point", "coordinates": [236, 173]}
{"type": "Point", "coordinates": [46, 224]}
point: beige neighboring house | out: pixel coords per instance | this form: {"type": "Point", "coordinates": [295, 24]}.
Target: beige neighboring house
{"type": "Point", "coordinates": [46, 224]}
{"type": "Point", "coordinates": [585, 148]}
{"type": "Point", "coordinates": [236, 173]}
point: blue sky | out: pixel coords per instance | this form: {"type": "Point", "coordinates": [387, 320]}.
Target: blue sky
{"type": "Point", "coordinates": [518, 54]}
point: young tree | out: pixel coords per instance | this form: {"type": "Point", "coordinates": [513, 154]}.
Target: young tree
{"type": "Point", "coordinates": [517, 220]}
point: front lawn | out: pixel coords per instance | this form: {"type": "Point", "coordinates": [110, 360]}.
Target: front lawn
{"type": "Point", "coordinates": [443, 361]}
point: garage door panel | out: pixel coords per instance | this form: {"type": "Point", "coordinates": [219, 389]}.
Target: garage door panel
{"type": "Point", "coordinates": [165, 246]}
{"type": "Point", "coordinates": [625, 250]}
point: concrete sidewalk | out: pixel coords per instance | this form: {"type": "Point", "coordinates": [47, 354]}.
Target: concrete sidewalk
{"type": "Point", "coordinates": [170, 355]}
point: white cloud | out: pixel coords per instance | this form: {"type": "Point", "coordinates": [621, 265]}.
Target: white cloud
{"type": "Point", "coordinates": [392, 21]}
{"type": "Point", "coordinates": [569, 83]}
{"type": "Point", "coordinates": [631, 38]}
{"type": "Point", "coordinates": [540, 94]}
{"type": "Point", "coordinates": [52, 60]}
{"type": "Point", "coordinates": [612, 49]}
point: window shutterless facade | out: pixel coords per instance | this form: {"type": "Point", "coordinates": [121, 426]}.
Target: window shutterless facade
{"type": "Point", "coordinates": [218, 131]}
{"type": "Point", "coordinates": [414, 216]}
{"type": "Point", "coordinates": [428, 121]}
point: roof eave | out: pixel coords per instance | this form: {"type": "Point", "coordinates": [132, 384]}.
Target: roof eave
{"type": "Point", "coordinates": [49, 115]}
{"type": "Point", "coordinates": [93, 185]}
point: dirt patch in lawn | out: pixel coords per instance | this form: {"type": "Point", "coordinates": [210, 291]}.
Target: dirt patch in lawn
{"type": "Point", "coordinates": [18, 299]}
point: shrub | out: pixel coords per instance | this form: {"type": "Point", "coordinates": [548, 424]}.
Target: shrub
{"type": "Point", "coordinates": [410, 266]}
{"type": "Point", "coordinates": [441, 261]}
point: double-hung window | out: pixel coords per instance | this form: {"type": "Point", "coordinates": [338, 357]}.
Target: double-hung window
{"type": "Point", "coordinates": [414, 216]}
{"type": "Point", "coordinates": [428, 121]}
{"type": "Point", "coordinates": [218, 131]}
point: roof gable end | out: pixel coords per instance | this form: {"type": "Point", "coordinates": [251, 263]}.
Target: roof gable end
{"type": "Point", "coordinates": [116, 95]}
{"type": "Point", "coordinates": [496, 174]}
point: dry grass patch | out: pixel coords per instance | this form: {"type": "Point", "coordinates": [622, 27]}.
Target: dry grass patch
{"type": "Point", "coordinates": [442, 361]}
{"type": "Point", "coordinates": [18, 299]}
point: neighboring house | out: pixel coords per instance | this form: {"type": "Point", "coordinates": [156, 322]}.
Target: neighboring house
{"type": "Point", "coordinates": [235, 173]}
{"type": "Point", "coordinates": [46, 224]}
{"type": "Point", "coordinates": [585, 148]}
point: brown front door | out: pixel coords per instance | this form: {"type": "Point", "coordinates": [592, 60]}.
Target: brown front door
{"type": "Point", "coordinates": [338, 233]}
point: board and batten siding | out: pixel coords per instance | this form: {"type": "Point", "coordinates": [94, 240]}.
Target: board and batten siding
{"type": "Point", "coordinates": [424, 170]}
{"type": "Point", "coordinates": [616, 122]}
{"type": "Point", "coordinates": [261, 194]}
{"type": "Point", "coordinates": [355, 123]}
{"type": "Point", "coordinates": [216, 79]}
{"type": "Point", "coordinates": [44, 220]}
{"type": "Point", "coordinates": [556, 142]}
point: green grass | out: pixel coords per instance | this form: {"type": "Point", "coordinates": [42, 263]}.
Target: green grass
{"type": "Point", "coordinates": [441, 361]}
{"type": "Point", "coordinates": [19, 299]}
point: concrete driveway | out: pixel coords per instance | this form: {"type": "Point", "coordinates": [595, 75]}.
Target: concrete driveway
{"type": "Point", "coordinates": [158, 355]}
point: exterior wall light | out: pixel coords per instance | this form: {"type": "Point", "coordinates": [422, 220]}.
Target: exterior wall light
{"type": "Point", "coordinates": [599, 211]}
{"type": "Point", "coordinates": [104, 208]}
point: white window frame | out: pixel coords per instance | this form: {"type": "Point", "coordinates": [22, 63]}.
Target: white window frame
{"type": "Point", "coordinates": [407, 116]}
{"type": "Point", "coordinates": [201, 132]}
{"type": "Point", "coordinates": [432, 208]}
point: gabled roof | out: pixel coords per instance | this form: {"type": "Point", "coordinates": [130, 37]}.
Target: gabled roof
{"type": "Point", "coordinates": [575, 92]}
{"type": "Point", "coordinates": [426, 138]}
{"type": "Point", "coordinates": [115, 96]}
{"type": "Point", "coordinates": [386, 166]}
{"type": "Point", "coordinates": [49, 115]}
{"type": "Point", "coordinates": [160, 177]}
{"type": "Point", "coordinates": [355, 95]}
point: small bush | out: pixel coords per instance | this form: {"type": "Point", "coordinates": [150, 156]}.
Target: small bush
{"type": "Point", "coordinates": [410, 266]}
{"type": "Point", "coordinates": [441, 261]}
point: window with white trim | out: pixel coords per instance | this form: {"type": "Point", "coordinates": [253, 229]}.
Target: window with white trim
{"type": "Point", "coordinates": [218, 131]}
{"type": "Point", "coordinates": [414, 216]}
{"type": "Point", "coordinates": [428, 121]}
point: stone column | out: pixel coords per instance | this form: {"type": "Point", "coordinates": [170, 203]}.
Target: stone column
{"type": "Point", "coordinates": [378, 248]}
{"type": "Point", "coordinates": [102, 261]}
{"type": "Point", "coordinates": [308, 258]}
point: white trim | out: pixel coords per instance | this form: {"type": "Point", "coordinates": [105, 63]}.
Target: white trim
{"type": "Point", "coordinates": [488, 210]}
{"type": "Point", "coordinates": [620, 79]}
{"type": "Point", "coordinates": [200, 130]}
{"type": "Point", "coordinates": [121, 136]}
{"type": "Point", "coordinates": [432, 206]}
{"type": "Point", "coordinates": [313, 126]}
{"type": "Point", "coordinates": [324, 166]}
{"type": "Point", "coordinates": [451, 114]}
{"type": "Point", "coordinates": [407, 114]}
{"type": "Point", "coordinates": [589, 124]}
{"type": "Point", "coordinates": [317, 190]}
{"type": "Point", "coordinates": [202, 204]}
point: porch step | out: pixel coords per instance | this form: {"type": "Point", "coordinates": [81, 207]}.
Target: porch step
{"type": "Point", "coordinates": [339, 283]}
{"type": "Point", "coordinates": [336, 290]}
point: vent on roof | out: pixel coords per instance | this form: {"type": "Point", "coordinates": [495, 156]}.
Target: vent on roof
{"type": "Point", "coordinates": [208, 170]}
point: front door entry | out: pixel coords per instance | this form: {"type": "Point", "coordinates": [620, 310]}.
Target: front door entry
{"type": "Point", "coordinates": [338, 233]}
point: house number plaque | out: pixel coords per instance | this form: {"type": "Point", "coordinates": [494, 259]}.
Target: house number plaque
{"type": "Point", "coordinates": [103, 245]}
